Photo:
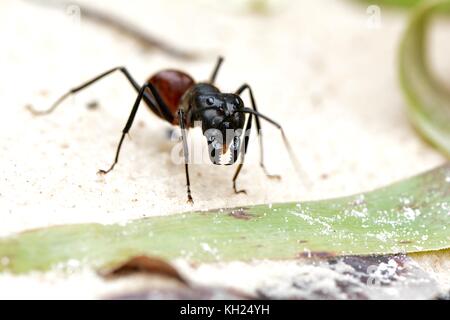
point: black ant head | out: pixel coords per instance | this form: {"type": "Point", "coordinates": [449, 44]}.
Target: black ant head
{"type": "Point", "coordinates": [222, 125]}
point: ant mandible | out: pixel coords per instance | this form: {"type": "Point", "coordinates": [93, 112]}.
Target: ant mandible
{"type": "Point", "coordinates": [175, 97]}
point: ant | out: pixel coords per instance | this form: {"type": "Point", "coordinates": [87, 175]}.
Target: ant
{"type": "Point", "coordinates": [175, 97]}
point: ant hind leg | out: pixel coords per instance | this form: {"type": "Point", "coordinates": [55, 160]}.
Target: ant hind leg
{"type": "Point", "coordinates": [213, 77]}
{"type": "Point", "coordinates": [84, 86]}
{"type": "Point", "coordinates": [154, 105]}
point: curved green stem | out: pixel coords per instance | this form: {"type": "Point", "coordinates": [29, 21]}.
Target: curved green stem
{"type": "Point", "coordinates": [428, 101]}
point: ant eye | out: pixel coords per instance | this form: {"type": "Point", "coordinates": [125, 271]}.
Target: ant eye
{"type": "Point", "coordinates": [210, 101]}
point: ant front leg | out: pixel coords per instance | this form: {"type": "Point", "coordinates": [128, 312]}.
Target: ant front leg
{"type": "Point", "coordinates": [181, 120]}
{"type": "Point", "coordinates": [126, 129]}
{"type": "Point", "coordinates": [243, 152]}
{"type": "Point", "coordinates": [258, 128]}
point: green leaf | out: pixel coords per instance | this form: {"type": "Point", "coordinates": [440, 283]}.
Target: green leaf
{"type": "Point", "coordinates": [428, 101]}
{"type": "Point", "coordinates": [409, 216]}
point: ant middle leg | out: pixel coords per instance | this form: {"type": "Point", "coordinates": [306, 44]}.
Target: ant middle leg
{"type": "Point", "coordinates": [142, 92]}
{"type": "Point", "coordinates": [182, 122]}
{"type": "Point", "coordinates": [258, 128]}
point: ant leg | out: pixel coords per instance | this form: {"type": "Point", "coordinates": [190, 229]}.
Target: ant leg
{"type": "Point", "coordinates": [216, 70]}
{"type": "Point", "coordinates": [294, 159]}
{"type": "Point", "coordinates": [243, 152]}
{"type": "Point", "coordinates": [182, 120]}
{"type": "Point", "coordinates": [148, 99]}
{"type": "Point", "coordinates": [130, 120]}
{"type": "Point", "coordinates": [258, 128]}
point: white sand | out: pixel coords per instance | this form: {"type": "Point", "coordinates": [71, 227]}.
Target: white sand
{"type": "Point", "coordinates": [314, 65]}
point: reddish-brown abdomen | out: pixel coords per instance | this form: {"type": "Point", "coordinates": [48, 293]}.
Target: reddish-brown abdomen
{"type": "Point", "coordinates": [171, 86]}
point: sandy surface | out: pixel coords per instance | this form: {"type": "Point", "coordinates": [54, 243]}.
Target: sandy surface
{"type": "Point", "coordinates": [315, 67]}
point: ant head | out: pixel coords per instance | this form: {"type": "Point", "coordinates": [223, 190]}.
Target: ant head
{"type": "Point", "coordinates": [222, 125]}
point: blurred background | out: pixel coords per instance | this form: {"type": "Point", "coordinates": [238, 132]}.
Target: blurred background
{"type": "Point", "coordinates": [326, 70]}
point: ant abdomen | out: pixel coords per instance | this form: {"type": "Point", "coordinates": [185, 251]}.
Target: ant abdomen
{"type": "Point", "coordinates": [171, 86]}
